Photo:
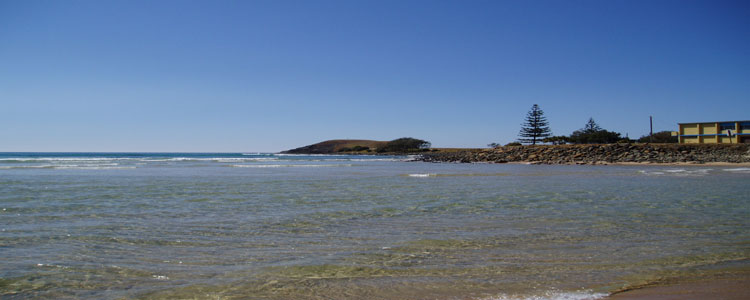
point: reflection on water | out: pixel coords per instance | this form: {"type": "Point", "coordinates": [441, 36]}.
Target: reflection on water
{"type": "Point", "coordinates": [182, 226]}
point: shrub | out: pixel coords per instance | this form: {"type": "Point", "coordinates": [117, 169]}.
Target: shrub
{"type": "Point", "coordinates": [598, 137]}
{"type": "Point", "coordinates": [557, 140]}
{"type": "Point", "coordinates": [406, 144]}
{"type": "Point", "coordinates": [360, 148]}
{"type": "Point", "coordinates": [659, 137]}
{"type": "Point", "coordinates": [593, 134]}
{"type": "Point", "coordinates": [357, 148]}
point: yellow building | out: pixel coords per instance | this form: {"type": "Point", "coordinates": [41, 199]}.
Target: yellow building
{"type": "Point", "coordinates": [730, 132]}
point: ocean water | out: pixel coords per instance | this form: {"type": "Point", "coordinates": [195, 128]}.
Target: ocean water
{"type": "Point", "coordinates": [265, 226]}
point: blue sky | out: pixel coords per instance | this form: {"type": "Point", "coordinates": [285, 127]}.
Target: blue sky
{"type": "Point", "coordinates": [272, 75]}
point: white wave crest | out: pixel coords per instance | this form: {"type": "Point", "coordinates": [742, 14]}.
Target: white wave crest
{"type": "Point", "coordinates": [27, 167]}
{"type": "Point", "coordinates": [379, 159]}
{"type": "Point", "coordinates": [95, 167]}
{"type": "Point", "coordinates": [289, 154]}
{"type": "Point", "coordinates": [210, 159]}
{"type": "Point", "coordinates": [225, 160]}
{"type": "Point", "coordinates": [70, 167]}
{"type": "Point", "coordinates": [355, 159]}
{"type": "Point", "coordinates": [290, 166]}
{"type": "Point", "coordinates": [737, 170]}
{"type": "Point", "coordinates": [422, 175]}
{"type": "Point", "coordinates": [344, 156]}
{"type": "Point", "coordinates": [552, 295]}
{"type": "Point", "coordinates": [677, 172]}
{"type": "Point", "coordinates": [65, 159]}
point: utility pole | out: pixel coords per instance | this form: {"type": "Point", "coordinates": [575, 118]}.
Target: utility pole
{"type": "Point", "coordinates": [651, 124]}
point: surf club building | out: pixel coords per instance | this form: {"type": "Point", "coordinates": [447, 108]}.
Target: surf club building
{"type": "Point", "coordinates": [728, 132]}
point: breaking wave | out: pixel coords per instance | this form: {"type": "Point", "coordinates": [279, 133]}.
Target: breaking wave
{"type": "Point", "coordinates": [677, 172]}
{"type": "Point", "coordinates": [737, 170]}
{"type": "Point", "coordinates": [71, 167]}
{"type": "Point", "coordinates": [552, 295]}
{"type": "Point", "coordinates": [291, 166]}
{"type": "Point", "coordinates": [422, 175]}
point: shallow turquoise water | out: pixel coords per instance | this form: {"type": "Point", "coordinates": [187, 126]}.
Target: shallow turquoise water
{"type": "Point", "coordinates": [355, 227]}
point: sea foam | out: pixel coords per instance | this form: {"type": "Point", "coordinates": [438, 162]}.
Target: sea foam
{"type": "Point", "coordinates": [290, 166]}
{"type": "Point", "coordinates": [70, 167]}
{"type": "Point", "coordinates": [422, 175]}
{"type": "Point", "coordinates": [552, 295]}
{"type": "Point", "coordinates": [677, 172]}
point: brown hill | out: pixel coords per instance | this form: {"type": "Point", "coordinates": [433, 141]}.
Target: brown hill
{"type": "Point", "coordinates": [334, 146]}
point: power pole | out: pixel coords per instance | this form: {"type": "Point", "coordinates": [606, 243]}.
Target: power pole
{"type": "Point", "coordinates": [651, 124]}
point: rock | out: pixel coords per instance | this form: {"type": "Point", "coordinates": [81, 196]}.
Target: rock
{"type": "Point", "coordinates": [599, 154]}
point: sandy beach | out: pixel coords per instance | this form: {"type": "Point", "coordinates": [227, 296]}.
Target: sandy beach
{"type": "Point", "coordinates": [723, 288]}
{"type": "Point", "coordinates": [679, 164]}
{"type": "Point", "coordinates": [675, 164]}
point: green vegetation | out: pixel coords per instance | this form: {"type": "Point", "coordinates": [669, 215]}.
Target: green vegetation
{"type": "Point", "coordinates": [592, 133]}
{"type": "Point", "coordinates": [406, 144]}
{"type": "Point", "coordinates": [356, 148]}
{"type": "Point", "coordinates": [360, 148]}
{"type": "Point", "coordinates": [557, 140]}
{"type": "Point", "coordinates": [659, 137]}
{"type": "Point", "coordinates": [535, 127]}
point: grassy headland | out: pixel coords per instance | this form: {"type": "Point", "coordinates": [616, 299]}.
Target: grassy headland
{"type": "Point", "coordinates": [398, 147]}
{"type": "Point", "coordinates": [339, 146]}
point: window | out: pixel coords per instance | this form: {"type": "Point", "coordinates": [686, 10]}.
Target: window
{"type": "Point", "coordinates": [745, 126]}
{"type": "Point", "coordinates": [725, 126]}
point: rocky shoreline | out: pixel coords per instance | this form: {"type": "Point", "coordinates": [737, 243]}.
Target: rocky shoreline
{"type": "Point", "coordinates": [599, 154]}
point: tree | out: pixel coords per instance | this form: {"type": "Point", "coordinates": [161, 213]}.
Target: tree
{"type": "Point", "coordinates": [591, 126]}
{"type": "Point", "coordinates": [592, 133]}
{"type": "Point", "coordinates": [493, 145]}
{"type": "Point", "coordinates": [535, 127]}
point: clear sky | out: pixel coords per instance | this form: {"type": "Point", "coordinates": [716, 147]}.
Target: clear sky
{"type": "Point", "coordinates": [271, 75]}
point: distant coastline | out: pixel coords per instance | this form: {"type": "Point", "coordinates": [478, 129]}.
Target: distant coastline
{"type": "Point", "coordinates": [401, 146]}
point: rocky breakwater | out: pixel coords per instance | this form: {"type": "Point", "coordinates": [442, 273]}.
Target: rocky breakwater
{"type": "Point", "coordinates": [600, 154]}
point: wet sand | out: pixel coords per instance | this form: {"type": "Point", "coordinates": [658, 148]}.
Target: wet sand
{"type": "Point", "coordinates": [676, 164]}
{"type": "Point", "coordinates": [723, 288]}
{"type": "Point", "coordinates": [679, 164]}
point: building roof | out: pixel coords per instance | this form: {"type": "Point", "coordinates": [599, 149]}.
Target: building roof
{"type": "Point", "coordinates": [745, 121]}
